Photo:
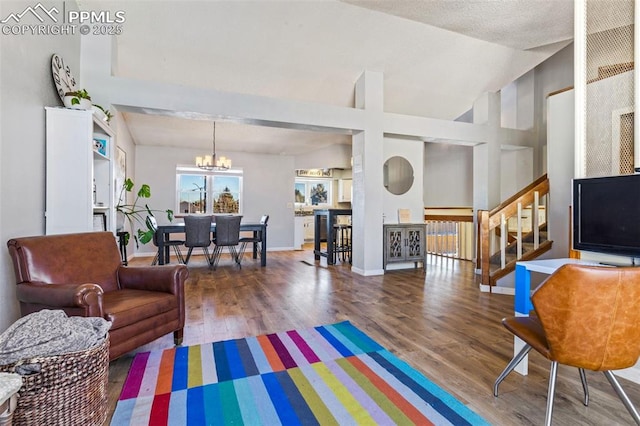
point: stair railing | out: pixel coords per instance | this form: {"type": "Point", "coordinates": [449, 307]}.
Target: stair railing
{"type": "Point", "coordinates": [495, 228]}
{"type": "Point", "coordinates": [450, 231]}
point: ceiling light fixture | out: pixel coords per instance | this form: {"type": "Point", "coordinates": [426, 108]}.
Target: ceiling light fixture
{"type": "Point", "coordinates": [211, 162]}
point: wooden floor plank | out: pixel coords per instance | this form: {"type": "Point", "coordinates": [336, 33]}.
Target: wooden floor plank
{"type": "Point", "coordinates": [438, 321]}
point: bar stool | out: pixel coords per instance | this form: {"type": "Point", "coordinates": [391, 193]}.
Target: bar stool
{"type": "Point", "coordinates": [341, 242]}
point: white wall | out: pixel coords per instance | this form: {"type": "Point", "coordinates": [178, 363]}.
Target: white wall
{"type": "Point", "coordinates": [554, 74]}
{"type": "Point", "coordinates": [516, 167]}
{"type": "Point", "coordinates": [335, 156]}
{"type": "Point", "coordinates": [517, 107]}
{"type": "Point", "coordinates": [267, 187]}
{"type": "Point", "coordinates": [27, 86]}
{"type": "Point", "coordinates": [453, 163]}
{"type": "Point", "coordinates": [560, 134]}
{"type": "Point", "coordinates": [413, 151]}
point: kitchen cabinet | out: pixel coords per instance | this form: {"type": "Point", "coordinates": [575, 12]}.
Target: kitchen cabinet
{"type": "Point", "coordinates": [298, 232]}
{"type": "Point", "coordinates": [404, 243]}
{"type": "Point", "coordinates": [344, 190]}
{"type": "Point", "coordinates": [79, 172]}
{"type": "Point", "coordinates": [309, 232]}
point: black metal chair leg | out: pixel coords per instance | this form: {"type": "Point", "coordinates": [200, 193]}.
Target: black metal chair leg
{"type": "Point", "coordinates": [186, 260]}
{"type": "Point", "coordinates": [217, 251]}
{"type": "Point", "coordinates": [178, 254]}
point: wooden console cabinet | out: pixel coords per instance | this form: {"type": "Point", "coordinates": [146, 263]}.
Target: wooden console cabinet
{"type": "Point", "coordinates": [404, 242]}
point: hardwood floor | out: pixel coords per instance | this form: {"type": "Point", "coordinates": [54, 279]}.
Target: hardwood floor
{"type": "Point", "coordinates": [439, 322]}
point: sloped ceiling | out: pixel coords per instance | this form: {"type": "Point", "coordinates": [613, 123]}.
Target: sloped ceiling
{"type": "Point", "coordinates": [437, 56]}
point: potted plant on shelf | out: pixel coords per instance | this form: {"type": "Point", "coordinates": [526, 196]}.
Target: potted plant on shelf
{"type": "Point", "coordinates": [138, 215]}
{"type": "Point", "coordinates": [79, 99]}
{"type": "Point", "coordinates": [102, 113]}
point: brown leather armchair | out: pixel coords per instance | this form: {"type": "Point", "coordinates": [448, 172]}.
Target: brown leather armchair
{"type": "Point", "coordinates": [586, 317]}
{"type": "Point", "coordinates": [82, 274]}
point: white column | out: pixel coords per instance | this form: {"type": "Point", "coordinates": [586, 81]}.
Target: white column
{"type": "Point", "coordinates": [580, 84]}
{"type": "Point", "coordinates": [486, 157]}
{"type": "Point", "coordinates": [367, 177]}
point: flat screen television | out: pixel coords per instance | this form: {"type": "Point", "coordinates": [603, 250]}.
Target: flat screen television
{"type": "Point", "coordinates": [606, 215]}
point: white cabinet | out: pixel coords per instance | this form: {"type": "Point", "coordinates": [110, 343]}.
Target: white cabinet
{"type": "Point", "coordinates": [80, 151]}
{"type": "Point", "coordinates": [344, 190]}
{"type": "Point", "coordinates": [309, 230]}
{"type": "Point", "coordinates": [298, 233]}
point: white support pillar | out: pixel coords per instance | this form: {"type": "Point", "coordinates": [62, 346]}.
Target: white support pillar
{"type": "Point", "coordinates": [367, 177]}
{"type": "Point", "coordinates": [486, 157]}
{"type": "Point", "coordinates": [580, 85]}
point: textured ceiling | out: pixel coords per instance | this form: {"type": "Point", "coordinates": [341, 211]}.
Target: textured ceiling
{"type": "Point", "coordinates": [519, 24]}
{"type": "Point", "coordinates": [437, 56]}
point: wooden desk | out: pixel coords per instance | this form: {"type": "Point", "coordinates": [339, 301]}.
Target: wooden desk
{"type": "Point", "coordinates": [259, 232]}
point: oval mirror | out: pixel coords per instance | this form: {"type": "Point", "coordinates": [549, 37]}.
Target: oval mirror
{"type": "Point", "coordinates": [397, 175]}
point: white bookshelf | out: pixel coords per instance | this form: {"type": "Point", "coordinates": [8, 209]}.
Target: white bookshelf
{"type": "Point", "coordinates": [72, 164]}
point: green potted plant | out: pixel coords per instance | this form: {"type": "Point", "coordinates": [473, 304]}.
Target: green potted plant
{"type": "Point", "coordinates": [79, 99]}
{"type": "Point", "coordinates": [137, 215]}
{"type": "Point", "coordinates": [102, 113]}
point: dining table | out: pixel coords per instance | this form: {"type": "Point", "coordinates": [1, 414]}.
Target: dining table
{"type": "Point", "coordinates": [259, 233]}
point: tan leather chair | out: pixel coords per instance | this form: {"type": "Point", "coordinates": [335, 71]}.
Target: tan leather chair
{"type": "Point", "coordinates": [586, 317]}
{"type": "Point", "coordinates": [82, 274]}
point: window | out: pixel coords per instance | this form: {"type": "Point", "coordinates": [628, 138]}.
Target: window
{"type": "Point", "coordinates": [315, 192]}
{"type": "Point", "coordinates": [208, 192]}
{"type": "Point", "coordinates": [192, 193]}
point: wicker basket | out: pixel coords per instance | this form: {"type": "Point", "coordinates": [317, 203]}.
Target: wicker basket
{"type": "Point", "coordinates": [70, 389]}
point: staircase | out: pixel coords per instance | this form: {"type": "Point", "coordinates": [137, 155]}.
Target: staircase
{"type": "Point", "coordinates": [515, 230]}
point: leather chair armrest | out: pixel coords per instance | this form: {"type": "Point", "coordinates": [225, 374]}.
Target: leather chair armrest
{"type": "Point", "coordinates": [165, 278]}
{"type": "Point", "coordinates": [58, 296]}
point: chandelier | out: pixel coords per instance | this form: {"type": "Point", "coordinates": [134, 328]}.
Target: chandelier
{"type": "Point", "coordinates": [212, 162]}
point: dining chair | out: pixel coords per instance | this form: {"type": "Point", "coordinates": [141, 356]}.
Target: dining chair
{"type": "Point", "coordinates": [227, 235]}
{"type": "Point", "coordinates": [197, 231]}
{"type": "Point", "coordinates": [176, 244]}
{"type": "Point", "coordinates": [585, 317]}
{"type": "Point", "coordinates": [244, 241]}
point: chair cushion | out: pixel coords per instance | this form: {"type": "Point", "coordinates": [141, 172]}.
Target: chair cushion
{"type": "Point", "coordinates": [126, 306]}
{"type": "Point", "coordinates": [530, 330]}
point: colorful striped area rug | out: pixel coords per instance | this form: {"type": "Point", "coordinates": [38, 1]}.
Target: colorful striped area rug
{"type": "Point", "coordinates": [327, 375]}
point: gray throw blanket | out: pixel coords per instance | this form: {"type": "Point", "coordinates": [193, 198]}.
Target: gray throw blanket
{"type": "Point", "coordinates": [48, 333]}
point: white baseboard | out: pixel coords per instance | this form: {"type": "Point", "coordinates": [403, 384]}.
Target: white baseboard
{"type": "Point", "coordinates": [367, 273]}
{"type": "Point", "coordinates": [497, 289]}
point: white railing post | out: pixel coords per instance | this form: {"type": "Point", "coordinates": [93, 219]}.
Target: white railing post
{"type": "Point", "coordinates": [503, 238]}
{"type": "Point", "coordinates": [535, 220]}
{"type": "Point", "coordinates": [519, 241]}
